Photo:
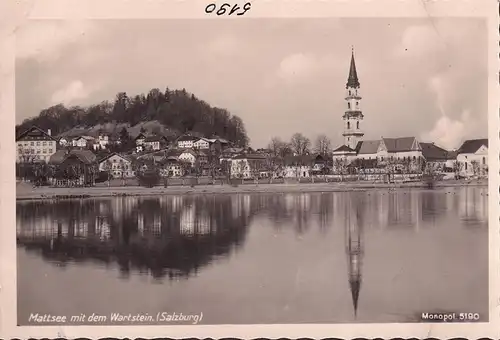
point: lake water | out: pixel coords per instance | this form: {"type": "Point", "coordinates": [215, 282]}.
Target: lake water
{"type": "Point", "coordinates": [374, 256]}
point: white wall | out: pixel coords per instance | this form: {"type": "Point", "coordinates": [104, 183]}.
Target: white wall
{"type": "Point", "coordinates": [35, 150]}
{"type": "Point", "coordinates": [466, 159]}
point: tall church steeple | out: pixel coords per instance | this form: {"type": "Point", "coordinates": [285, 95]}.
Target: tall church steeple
{"type": "Point", "coordinates": [353, 81]}
{"type": "Point", "coordinates": [353, 115]}
{"type": "Point", "coordinates": [354, 251]}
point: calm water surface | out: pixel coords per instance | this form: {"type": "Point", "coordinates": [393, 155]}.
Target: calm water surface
{"type": "Point", "coordinates": [375, 256]}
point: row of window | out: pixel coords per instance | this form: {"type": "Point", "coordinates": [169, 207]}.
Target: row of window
{"type": "Point", "coordinates": [38, 151]}
{"type": "Point", "coordinates": [44, 143]}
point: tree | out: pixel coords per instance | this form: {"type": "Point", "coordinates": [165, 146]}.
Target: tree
{"type": "Point", "coordinates": [300, 144]}
{"type": "Point", "coordinates": [177, 110]}
{"type": "Point", "coordinates": [323, 145]}
{"type": "Point", "coordinates": [457, 168]}
{"type": "Point", "coordinates": [107, 167]}
{"type": "Point", "coordinates": [340, 166]}
{"type": "Point", "coordinates": [475, 167]}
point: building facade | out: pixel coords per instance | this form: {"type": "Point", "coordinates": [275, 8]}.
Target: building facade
{"type": "Point", "coordinates": [35, 145]}
{"type": "Point", "coordinates": [201, 143]}
{"type": "Point", "coordinates": [472, 158]}
{"type": "Point", "coordinates": [117, 165]}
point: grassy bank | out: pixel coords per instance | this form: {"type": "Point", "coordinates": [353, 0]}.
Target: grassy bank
{"type": "Point", "coordinates": [24, 191]}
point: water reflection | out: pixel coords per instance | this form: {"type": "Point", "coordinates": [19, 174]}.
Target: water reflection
{"type": "Point", "coordinates": [170, 236]}
{"type": "Point", "coordinates": [174, 237]}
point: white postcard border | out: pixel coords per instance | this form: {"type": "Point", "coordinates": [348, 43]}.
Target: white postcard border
{"type": "Point", "coordinates": [17, 13]}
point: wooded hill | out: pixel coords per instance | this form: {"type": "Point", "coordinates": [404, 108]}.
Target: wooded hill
{"type": "Point", "coordinates": [171, 113]}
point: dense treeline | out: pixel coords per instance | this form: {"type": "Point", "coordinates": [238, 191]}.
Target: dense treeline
{"type": "Point", "coordinates": [178, 110]}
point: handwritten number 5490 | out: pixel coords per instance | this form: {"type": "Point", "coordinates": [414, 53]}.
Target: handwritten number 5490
{"type": "Point", "coordinates": [228, 9]}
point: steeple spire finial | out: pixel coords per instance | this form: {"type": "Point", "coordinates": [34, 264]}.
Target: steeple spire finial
{"type": "Point", "coordinates": [353, 81]}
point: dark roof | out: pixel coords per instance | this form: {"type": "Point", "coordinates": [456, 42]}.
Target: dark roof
{"type": "Point", "coordinates": [140, 135]}
{"type": "Point", "coordinates": [472, 145]}
{"type": "Point", "coordinates": [298, 160]}
{"type": "Point", "coordinates": [250, 156]}
{"type": "Point", "coordinates": [113, 154]}
{"type": "Point", "coordinates": [368, 146]}
{"type": "Point", "coordinates": [154, 139]}
{"type": "Point", "coordinates": [85, 156]}
{"type": "Point", "coordinates": [344, 148]}
{"type": "Point", "coordinates": [399, 144]}
{"type": "Point", "coordinates": [452, 154]}
{"type": "Point", "coordinates": [430, 151]}
{"type": "Point", "coordinates": [353, 81]}
{"type": "Point", "coordinates": [37, 131]}
{"type": "Point", "coordinates": [186, 138]}
{"type": "Point", "coordinates": [58, 156]}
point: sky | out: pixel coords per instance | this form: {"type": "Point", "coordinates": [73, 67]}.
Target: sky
{"type": "Point", "coordinates": [422, 77]}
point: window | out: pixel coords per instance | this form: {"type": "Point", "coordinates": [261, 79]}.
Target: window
{"type": "Point", "coordinates": [465, 165]}
{"type": "Point", "coordinates": [348, 125]}
{"type": "Point", "coordinates": [357, 105]}
{"type": "Point", "coordinates": [50, 150]}
{"type": "Point", "coordinates": [44, 143]}
{"type": "Point", "coordinates": [32, 143]}
{"type": "Point", "coordinates": [414, 158]}
{"type": "Point", "coordinates": [38, 151]}
{"type": "Point", "coordinates": [44, 151]}
{"type": "Point", "coordinates": [484, 160]}
{"type": "Point", "coordinates": [349, 92]}
{"type": "Point", "coordinates": [357, 125]}
{"type": "Point", "coordinates": [349, 105]}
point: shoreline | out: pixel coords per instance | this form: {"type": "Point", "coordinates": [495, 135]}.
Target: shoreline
{"type": "Point", "coordinates": [26, 192]}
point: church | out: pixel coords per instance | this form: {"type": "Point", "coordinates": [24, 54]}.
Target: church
{"type": "Point", "coordinates": [355, 147]}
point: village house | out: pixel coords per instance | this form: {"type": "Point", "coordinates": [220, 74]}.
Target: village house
{"type": "Point", "coordinates": [186, 142]}
{"type": "Point", "coordinates": [35, 144]}
{"type": "Point", "coordinates": [188, 156]}
{"type": "Point", "coordinates": [154, 142]}
{"type": "Point", "coordinates": [201, 143]}
{"type": "Point", "coordinates": [118, 166]}
{"type": "Point", "coordinates": [103, 140]}
{"type": "Point", "coordinates": [82, 141]}
{"type": "Point", "coordinates": [298, 166]}
{"type": "Point", "coordinates": [319, 165]}
{"type": "Point", "coordinates": [65, 141]}
{"type": "Point", "coordinates": [438, 158]}
{"type": "Point", "coordinates": [74, 168]}
{"type": "Point", "coordinates": [247, 166]}
{"type": "Point", "coordinates": [139, 141]}
{"type": "Point", "coordinates": [472, 157]}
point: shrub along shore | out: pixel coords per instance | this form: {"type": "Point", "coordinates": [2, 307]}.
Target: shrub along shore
{"type": "Point", "coordinates": [25, 191]}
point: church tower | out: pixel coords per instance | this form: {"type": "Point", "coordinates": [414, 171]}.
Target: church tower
{"type": "Point", "coordinates": [353, 116]}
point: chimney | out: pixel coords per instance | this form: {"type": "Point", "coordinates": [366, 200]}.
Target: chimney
{"type": "Point", "coordinates": [49, 132]}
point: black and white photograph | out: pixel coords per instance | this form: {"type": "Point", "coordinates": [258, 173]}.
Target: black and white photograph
{"type": "Point", "coordinates": [252, 171]}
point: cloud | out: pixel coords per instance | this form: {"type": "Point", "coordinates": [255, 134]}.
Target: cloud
{"type": "Point", "coordinates": [74, 91]}
{"type": "Point", "coordinates": [44, 39]}
{"type": "Point", "coordinates": [448, 132]}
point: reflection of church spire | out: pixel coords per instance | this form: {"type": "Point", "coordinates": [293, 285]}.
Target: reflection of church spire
{"type": "Point", "coordinates": [354, 250]}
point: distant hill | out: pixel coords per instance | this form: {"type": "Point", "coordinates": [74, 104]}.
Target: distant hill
{"type": "Point", "coordinates": [169, 113]}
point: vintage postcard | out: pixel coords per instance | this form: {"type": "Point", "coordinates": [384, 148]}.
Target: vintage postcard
{"type": "Point", "coordinates": [250, 169]}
